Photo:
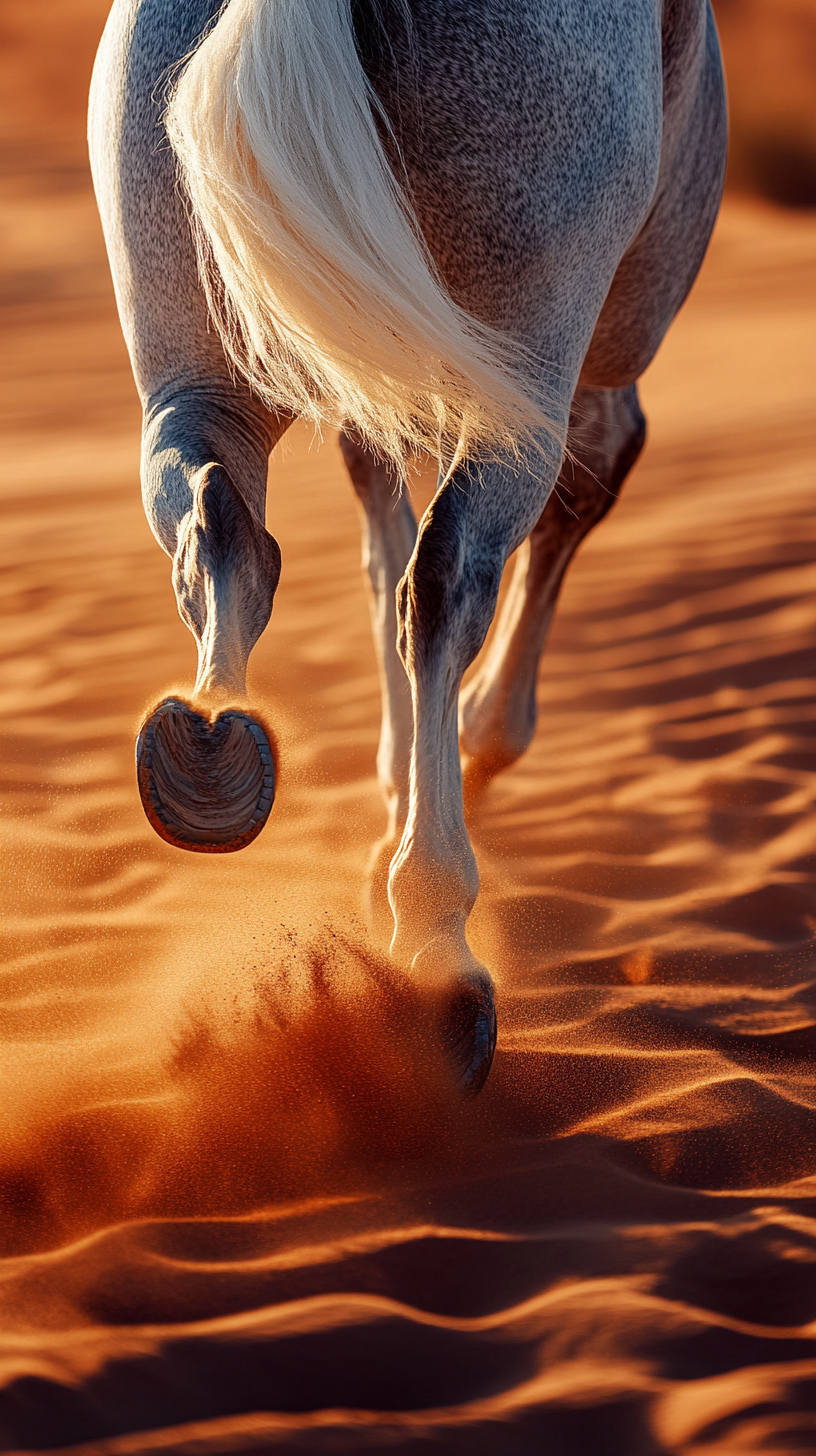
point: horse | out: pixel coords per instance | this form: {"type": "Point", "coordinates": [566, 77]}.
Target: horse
{"type": "Point", "coordinates": [459, 227]}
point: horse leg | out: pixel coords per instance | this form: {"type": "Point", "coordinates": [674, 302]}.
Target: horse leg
{"type": "Point", "coordinates": [389, 537]}
{"type": "Point", "coordinates": [205, 767]}
{"type": "Point", "coordinates": [206, 774]}
{"type": "Point", "coordinates": [498, 708]}
{"type": "Point", "coordinates": [446, 602]}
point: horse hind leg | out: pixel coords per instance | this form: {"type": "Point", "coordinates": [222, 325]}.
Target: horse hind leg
{"type": "Point", "coordinates": [445, 604]}
{"type": "Point", "coordinates": [389, 537]}
{"type": "Point", "coordinates": [498, 710]}
{"type": "Point", "coordinates": [206, 771]}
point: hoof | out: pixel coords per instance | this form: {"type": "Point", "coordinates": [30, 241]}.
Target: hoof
{"type": "Point", "coordinates": [469, 1033]}
{"type": "Point", "coordinates": [206, 787]}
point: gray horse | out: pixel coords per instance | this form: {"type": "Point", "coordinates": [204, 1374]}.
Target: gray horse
{"type": "Point", "coordinates": [456, 225]}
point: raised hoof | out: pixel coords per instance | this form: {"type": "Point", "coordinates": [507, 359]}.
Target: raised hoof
{"type": "Point", "coordinates": [469, 1033]}
{"type": "Point", "coordinates": [206, 787]}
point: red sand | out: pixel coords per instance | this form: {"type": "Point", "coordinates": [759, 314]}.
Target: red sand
{"type": "Point", "coordinates": [239, 1210]}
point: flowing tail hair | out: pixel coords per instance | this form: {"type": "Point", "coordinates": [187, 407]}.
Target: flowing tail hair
{"type": "Point", "coordinates": [316, 273]}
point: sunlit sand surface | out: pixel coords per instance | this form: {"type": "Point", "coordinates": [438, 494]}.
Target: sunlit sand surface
{"type": "Point", "coordinates": [239, 1208]}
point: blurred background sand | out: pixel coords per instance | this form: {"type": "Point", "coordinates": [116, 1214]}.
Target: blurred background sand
{"type": "Point", "coordinates": [238, 1209]}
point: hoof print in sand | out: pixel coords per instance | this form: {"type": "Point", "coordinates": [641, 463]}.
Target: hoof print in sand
{"type": "Point", "coordinates": [469, 1034]}
{"type": "Point", "coordinates": [207, 787]}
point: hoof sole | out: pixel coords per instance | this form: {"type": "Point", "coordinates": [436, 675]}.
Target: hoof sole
{"type": "Point", "coordinates": [206, 787]}
{"type": "Point", "coordinates": [469, 1033]}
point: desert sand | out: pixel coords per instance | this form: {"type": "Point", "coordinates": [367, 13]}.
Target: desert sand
{"type": "Point", "coordinates": [239, 1208]}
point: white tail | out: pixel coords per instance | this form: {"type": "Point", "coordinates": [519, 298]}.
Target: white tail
{"type": "Point", "coordinates": [317, 275]}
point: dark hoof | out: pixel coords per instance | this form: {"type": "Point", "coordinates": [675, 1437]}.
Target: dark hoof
{"type": "Point", "coordinates": [469, 1033]}
{"type": "Point", "coordinates": [207, 787]}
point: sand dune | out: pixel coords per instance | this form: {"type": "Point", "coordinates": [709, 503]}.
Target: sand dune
{"type": "Point", "coordinates": [240, 1211]}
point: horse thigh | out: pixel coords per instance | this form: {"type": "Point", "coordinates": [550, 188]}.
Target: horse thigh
{"type": "Point", "coordinates": [654, 276]}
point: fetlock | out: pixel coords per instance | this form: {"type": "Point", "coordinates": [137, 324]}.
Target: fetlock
{"type": "Point", "coordinates": [225, 572]}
